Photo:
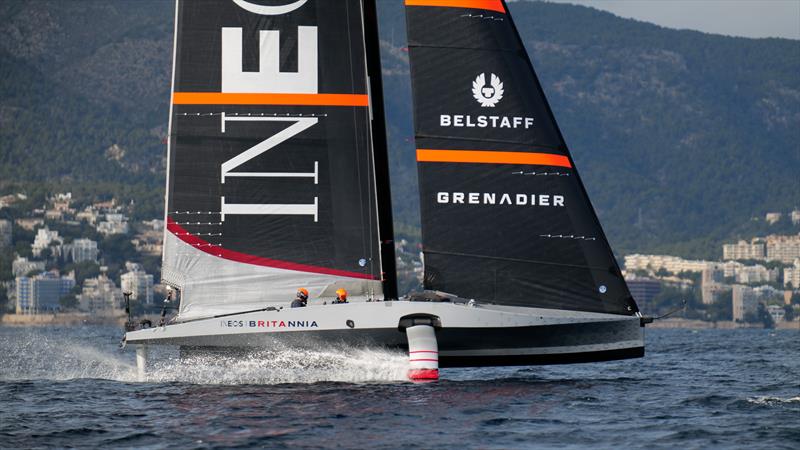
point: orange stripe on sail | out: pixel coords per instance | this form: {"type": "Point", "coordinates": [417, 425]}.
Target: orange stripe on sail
{"type": "Point", "coordinates": [491, 157]}
{"type": "Point", "coordinates": [491, 5]}
{"type": "Point", "coordinates": [231, 98]}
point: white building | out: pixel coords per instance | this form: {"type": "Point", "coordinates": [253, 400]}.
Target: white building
{"type": "Point", "coordinates": [114, 224]}
{"type": "Point", "coordinates": [83, 250]}
{"type": "Point", "coordinates": [773, 217]}
{"type": "Point", "coordinates": [791, 275]}
{"type": "Point", "coordinates": [672, 264]}
{"type": "Point", "coordinates": [783, 248]}
{"type": "Point", "coordinates": [755, 274]}
{"type": "Point", "coordinates": [138, 283]}
{"type": "Point", "coordinates": [44, 237]}
{"type": "Point", "coordinates": [100, 294]}
{"type": "Point", "coordinates": [5, 234]}
{"type": "Point", "coordinates": [796, 217]}
{"type": "Point", "coordinates": [89, 215]}
{"type": "Point", "coordinates": [22, 266]}
{"type": "Point", "coordinates": [756, 249]}
{"type": "Point", "coordinates": [744, 301]}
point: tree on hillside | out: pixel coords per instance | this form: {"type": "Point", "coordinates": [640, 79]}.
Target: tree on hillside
{"type": "Point", "coordinates": [788, 313]}
{"type": "Point", "coordinates": [3, 300]}
{"type": "Point", "coordinates": [722, 309]}
{"type": "Point", "coordinates": [764, 316]}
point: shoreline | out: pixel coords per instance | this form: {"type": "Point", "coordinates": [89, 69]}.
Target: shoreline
{"type": "Point", "coordinates": [693, 324]}
{"type": "Point", "coordinates": [24, 320]}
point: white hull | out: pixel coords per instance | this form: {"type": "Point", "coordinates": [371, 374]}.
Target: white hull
{"type": "Point", "coordinates": [467, 336]}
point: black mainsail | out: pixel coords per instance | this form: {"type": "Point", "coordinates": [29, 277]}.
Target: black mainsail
{"type": "Point", "coordinates": [505, 217]}
{"type": "Point", "coordinates": [272, 177]}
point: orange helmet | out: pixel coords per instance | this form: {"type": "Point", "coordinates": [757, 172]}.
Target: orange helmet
{"type": "Point", "coordinates": [341, 293]}
{"type": "Point", "coordinates": [303, 293]}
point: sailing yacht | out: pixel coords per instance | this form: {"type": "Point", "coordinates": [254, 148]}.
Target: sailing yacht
{"type": "Point", "coordinates": [278, 179]}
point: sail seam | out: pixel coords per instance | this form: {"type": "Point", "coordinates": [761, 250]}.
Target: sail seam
{"type": "Point", "coordinates": [530, 261]}
{"type": "Point", "coordinates": [492, 141]}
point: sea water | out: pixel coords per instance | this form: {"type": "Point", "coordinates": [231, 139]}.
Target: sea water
{"type": "Point", "coordinates": [73, 387]}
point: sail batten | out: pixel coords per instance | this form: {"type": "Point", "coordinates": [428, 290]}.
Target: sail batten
{"type": "Point", "coordinates": [505, 218]}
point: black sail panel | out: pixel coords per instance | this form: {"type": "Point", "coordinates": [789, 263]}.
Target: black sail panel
{"type": "Point", "coordinates": [505, 218]}
{"type": "Point", "coordinates": [271, 183]}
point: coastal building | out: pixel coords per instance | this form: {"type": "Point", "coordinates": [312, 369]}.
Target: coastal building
{"type": "Point", "coordinates": [154, 224]}
{"type": "Point", "coordinates": [711, 293]}
{"type": "Point", "coordinates": [755, 274]}
{"type": "Point", "coordinates": [791, 275]}
{"type": "Point", "coordinates": [755, 249]}
{"type": "Point", "coordinates": [21, 267]}
{"type": "Point", "coordinates": [113, 224]}
{"type": "Point", "coordinates": [672, 264]}
{"type": "Point", "coordinates": [795, 217]}
{"type": "Point", "coordinates": [44, 237]}
{"type": "Point", "coordinates": [767, 292]}
{"type": "Point", "coordinates": [10, 199]}
{"type": "Point", "coordinates": [29, 223]}
{"type": "Point", "coordinates": [100, 294]}
{"type": "Point", "coordinates": [783, 248]}
{"type": "Point", "coordinates": [6, 236]}
{"type": "Point", "coordinates": [42, 292]}
{"type": "Point", "coordinates": [138, 283]}
{"type": "Point", "coordinates": [643, 290]}
{"type": "Point", "coordinates": [712, 275]}
{"type": "Point", "coordinates": [744, 301]}
{"type": "Point", "coordinates": [150, 237]}
{"type": "Point", "coordinates": [773, 217]}
{"type": "Point", "coordinates": [89, 214]}
{"type": "Point", "coordinates": [83, 250]}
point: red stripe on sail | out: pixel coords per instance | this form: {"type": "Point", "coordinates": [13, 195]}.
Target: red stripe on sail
{"type": "Point", "coordinates": [492, 157]}
{"type": "Point", "coordinates": [491, 5]}
{"type": "Point", "coordinates": [235, 98]}
{"type": "Point", "coordinates": [232, 255]}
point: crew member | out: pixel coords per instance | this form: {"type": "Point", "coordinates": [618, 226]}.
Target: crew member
{"type": "Point", "coordinates": [302, 298]}
{"type": "Point", "coordinates": [341, 296]}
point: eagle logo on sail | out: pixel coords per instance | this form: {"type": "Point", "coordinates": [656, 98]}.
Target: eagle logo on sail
{"type": "Point", "coordinates": [490, 94]}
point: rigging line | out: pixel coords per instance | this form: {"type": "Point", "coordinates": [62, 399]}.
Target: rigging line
{"type": "Point", "coordinates": [528, 261]}
{"type": "Point", "coordinates": [357, 141]}
{"type": "Point", "coordinates": [663, 316]}
{"type": "Point", "coordinates": [268, 308]}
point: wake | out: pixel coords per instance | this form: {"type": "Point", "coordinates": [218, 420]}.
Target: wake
{"type": "Point", "coordinates": [31, 354]}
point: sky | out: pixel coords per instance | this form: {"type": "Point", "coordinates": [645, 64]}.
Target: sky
{"type": "Point", "coordinates": [748, 18]}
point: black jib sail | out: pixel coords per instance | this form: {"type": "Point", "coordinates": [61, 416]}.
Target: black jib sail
{"type": "Point", "coordinates": [272, 177]}
{"type": "Point", "coordinates": [505, 217]}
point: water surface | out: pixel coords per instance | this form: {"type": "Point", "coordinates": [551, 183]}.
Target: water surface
{"type": "Point", "coordinates": [65, 387]}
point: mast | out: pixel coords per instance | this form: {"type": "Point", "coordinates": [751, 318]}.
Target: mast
{"type": "Point", "coordinates": [505, 217]}
{"type": "Point", "coordinates": [380, 150]}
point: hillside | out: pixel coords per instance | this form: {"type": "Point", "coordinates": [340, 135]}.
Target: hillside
{"type": "Point", "coordinates": [681, 137]}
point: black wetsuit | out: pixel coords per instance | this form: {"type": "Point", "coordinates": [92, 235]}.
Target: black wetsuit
{"type": "Point", "coordinates": [297, 303]}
